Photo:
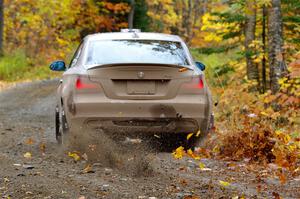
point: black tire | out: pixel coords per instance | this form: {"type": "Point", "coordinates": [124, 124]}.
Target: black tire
{"type": "Point", "coordinates": [61, 125]}
{"type": "Point", "coordinates": [57, 123]}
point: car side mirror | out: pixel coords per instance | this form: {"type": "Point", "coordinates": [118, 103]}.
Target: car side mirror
{"type": "Point", "coordinates": [58, 66]}
{"type": "Point", "coordinates": [200, 65]}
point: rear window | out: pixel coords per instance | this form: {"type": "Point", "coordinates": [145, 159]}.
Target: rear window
{"type": "Point", "coordinates": [136, 51]}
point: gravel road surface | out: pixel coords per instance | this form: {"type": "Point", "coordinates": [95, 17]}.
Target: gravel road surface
{"type": "Point", "coordinates": [46, 171]}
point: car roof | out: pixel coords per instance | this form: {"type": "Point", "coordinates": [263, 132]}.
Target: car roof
{"type": "Point", "coordinates": [133, 36]}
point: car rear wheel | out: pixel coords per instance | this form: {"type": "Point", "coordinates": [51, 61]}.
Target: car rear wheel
{"type": "Point", "coordinates": [61, 125]}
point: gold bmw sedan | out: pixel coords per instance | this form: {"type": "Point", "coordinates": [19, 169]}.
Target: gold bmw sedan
{"type": "Point", "coordinates": [134, 83]}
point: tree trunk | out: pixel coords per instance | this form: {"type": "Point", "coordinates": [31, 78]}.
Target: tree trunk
{"type": "Point", "coordinates": [1, 26]}
{"type": "Point", "coordinates": [250, 27]}
{"type": "Point", "coordinates": [184, 21]}
{"type": "Point", "coordinates": [188, 26]}
{"type": "Point", "coordinates": [131, 14]}
{"type": "Point", "coordinates": [275, 43]}
{"type": "Point", "coordinates": [263, 35]}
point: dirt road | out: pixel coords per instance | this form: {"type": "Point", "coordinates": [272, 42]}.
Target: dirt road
{"type": "Point", "coordinates": [27, 126]}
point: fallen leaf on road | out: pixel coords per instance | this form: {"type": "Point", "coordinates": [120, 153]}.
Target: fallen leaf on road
{"type": "Point", "coordinates": [43, 147]}
{"type": "Point", "coordinates": [92, 147]}
{"type": "Point", "coordinates": [276, 195]}
{"type": "Point", "coordinates": [179, 152]}
{"type": "Point", "coordinates": [258, 188]}
{"type": "Point", "coordinates": [88, 169]}
{"type": "Point", "coordinates": [223, 183]}
{"type": "Point", "coordinates": [206, 169]}
{"type": "Point", "coordinates": [28, 155]}
{"type": "Point", "coordinates": [282, 178]}
{"type": "Point", "coordinates": [29, 193]}
{"type": "Point", "coordinates": [231, 165]}
{"type": "Point", "coordinates": [203, 168]}
{"type": "Point", "coordinates": [74, 155]}
{"type": "Point", "coordinates": [192, 154]}
{"type": "Point", "coordinates": [191, 197]}
{"type": "Point", "coordinates": [183, 182]}
{"type": "Point", "coordinates": [85, 157]}
{"type": "Point", "coordinates": [29, 141]}
{"type": "Point", "coordinates": [189, 136]}
{"type": "Point", "coordinates": [216, 149]}
{"type": "Point", "coordinates": [201, 165]}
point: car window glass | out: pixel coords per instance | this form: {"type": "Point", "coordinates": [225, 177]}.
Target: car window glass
{"type": "Point", "coordinates": [76, 55]}
{"type": "Point", "coordinates": [136, 51]}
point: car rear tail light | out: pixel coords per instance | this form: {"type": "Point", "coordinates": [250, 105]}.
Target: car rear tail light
{"type": "Point", "coordinates": [82, 84]}
{"type": "Point", "coordinates": [194, 86]}
{"type": "Point", "coordinates": [200, 84]}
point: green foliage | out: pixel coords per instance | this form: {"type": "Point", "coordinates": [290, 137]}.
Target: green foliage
{"type": "Point", "coordinates": [223, 70]}
{"type": "Point", "coordinates": [218, 71]}
{"type": "Point", "coordinates": [211, 50]}
{"type": "Point", "coordinates": [141, 19]}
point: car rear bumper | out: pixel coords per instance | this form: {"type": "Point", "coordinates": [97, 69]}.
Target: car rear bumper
{"type": "Point", "coordinates": [146, 126]}
{"type": "Point", "coordinates": [179, 115]}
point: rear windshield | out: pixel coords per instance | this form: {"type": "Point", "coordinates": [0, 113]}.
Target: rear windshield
{"type": "Point", "coordinates": [136, 51]}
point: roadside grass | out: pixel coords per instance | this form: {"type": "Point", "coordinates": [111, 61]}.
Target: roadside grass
{"type": "Point", "coordinates": [16, 66]}
{"type": "Point", "coordinates": [13, 66]}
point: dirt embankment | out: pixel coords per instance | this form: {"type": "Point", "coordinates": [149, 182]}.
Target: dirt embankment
{"type": "Point", "coordinates": [108, 170]}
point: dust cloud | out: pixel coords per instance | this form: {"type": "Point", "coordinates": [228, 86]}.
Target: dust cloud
{"type": "Point", "coordinates": [130, 156]}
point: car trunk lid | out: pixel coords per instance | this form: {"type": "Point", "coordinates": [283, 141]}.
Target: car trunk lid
{"type": "Point", "coordinates": [140, 81]}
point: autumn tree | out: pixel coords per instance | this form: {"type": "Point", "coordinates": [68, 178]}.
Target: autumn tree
{"type": "Point", "coordinates": [47, 30]}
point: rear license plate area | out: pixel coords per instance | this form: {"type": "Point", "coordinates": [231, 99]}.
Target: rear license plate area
{"type": "Point", "coordinates": [141, 87]}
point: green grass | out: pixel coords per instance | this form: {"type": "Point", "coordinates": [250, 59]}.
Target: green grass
{"type": "Point", "coordinates": [13, 66]}
{"type": "Point", "coordinates": [18, 67]}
